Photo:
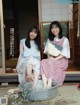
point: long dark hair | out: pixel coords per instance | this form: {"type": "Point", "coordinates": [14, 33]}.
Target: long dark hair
{"type": "Point", "coordinates": [37, 39]}
{"type": "Point", "coordinates": [51, 35]}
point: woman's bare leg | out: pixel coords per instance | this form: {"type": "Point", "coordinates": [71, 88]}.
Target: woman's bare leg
{"type": "Point", "coordinates": [49, 83]}
{"type": "Point", "coordinates": [44, 81]}
{"type": "Point", "coordinates": [35, 80]}
{"type": "Point", "coordinates": [29, 73]}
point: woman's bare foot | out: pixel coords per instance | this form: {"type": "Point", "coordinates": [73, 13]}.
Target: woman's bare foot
{"type": "Point", "coordinates": [48, 86]}
{"type": "Point", "coordinates": [49, 83]}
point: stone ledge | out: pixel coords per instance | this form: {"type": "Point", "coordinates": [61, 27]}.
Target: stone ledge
{"type": "Point", "coordinates": [13, 79]}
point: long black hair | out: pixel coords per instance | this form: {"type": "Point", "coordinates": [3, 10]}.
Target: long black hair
{"type": "Point", "coordinates": [37, 39]}
{"type": "Point", "coordinates": [51, 35]}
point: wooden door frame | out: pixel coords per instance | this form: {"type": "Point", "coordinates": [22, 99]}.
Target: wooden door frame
{"type": "Point", "coordinates": [2, 70]}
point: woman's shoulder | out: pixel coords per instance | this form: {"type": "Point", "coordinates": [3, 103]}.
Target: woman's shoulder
{"type": "Point", "coordinates": [48, 40]}
{"type": "Point", "coordinates": [65, 38]}
{"type": "Point", "coordinates": [22, 40]}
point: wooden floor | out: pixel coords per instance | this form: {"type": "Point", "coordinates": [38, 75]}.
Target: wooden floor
{"type": "Point", "coordinates": [73, 68]}
{"type": "Point", "coordinates": [70, 68]}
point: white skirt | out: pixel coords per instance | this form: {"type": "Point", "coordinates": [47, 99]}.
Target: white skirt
{"type": "Point", "coordinates": [22, 66]}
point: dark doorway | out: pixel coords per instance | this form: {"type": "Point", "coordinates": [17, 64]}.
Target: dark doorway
{"type": "Point", "coordinates": [19, 16]}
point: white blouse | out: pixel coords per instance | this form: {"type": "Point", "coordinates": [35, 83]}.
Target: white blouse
{"type": "Point", "coordinates": [33, 51]}
{"type": "Point", "coordinates": [66, 47]}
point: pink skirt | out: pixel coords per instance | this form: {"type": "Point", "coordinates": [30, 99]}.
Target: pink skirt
{"type": "Point", "coordinates": [54, 69]}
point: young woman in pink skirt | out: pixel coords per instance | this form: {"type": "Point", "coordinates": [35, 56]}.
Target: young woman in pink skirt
{"type": "Point", "coordinates": [53, 68]}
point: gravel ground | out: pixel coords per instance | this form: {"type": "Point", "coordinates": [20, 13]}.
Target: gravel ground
{"type": "Point", "coordinates": [68, 94]}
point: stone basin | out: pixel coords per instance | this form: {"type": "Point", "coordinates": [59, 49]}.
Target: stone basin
{"type": "Point", "coordinates": [38, 94]}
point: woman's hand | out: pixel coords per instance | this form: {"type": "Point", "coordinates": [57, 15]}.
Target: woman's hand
{"type": "Point", "coordinates": [59, 57]}
{"type": "Point", "coordinates": [56, 58]}
{"type": "Point", "coordinates": [52, 58]}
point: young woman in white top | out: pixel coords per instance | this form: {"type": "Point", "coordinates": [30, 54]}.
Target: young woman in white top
{"type": "Point", "coordinates": [28, 66]}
